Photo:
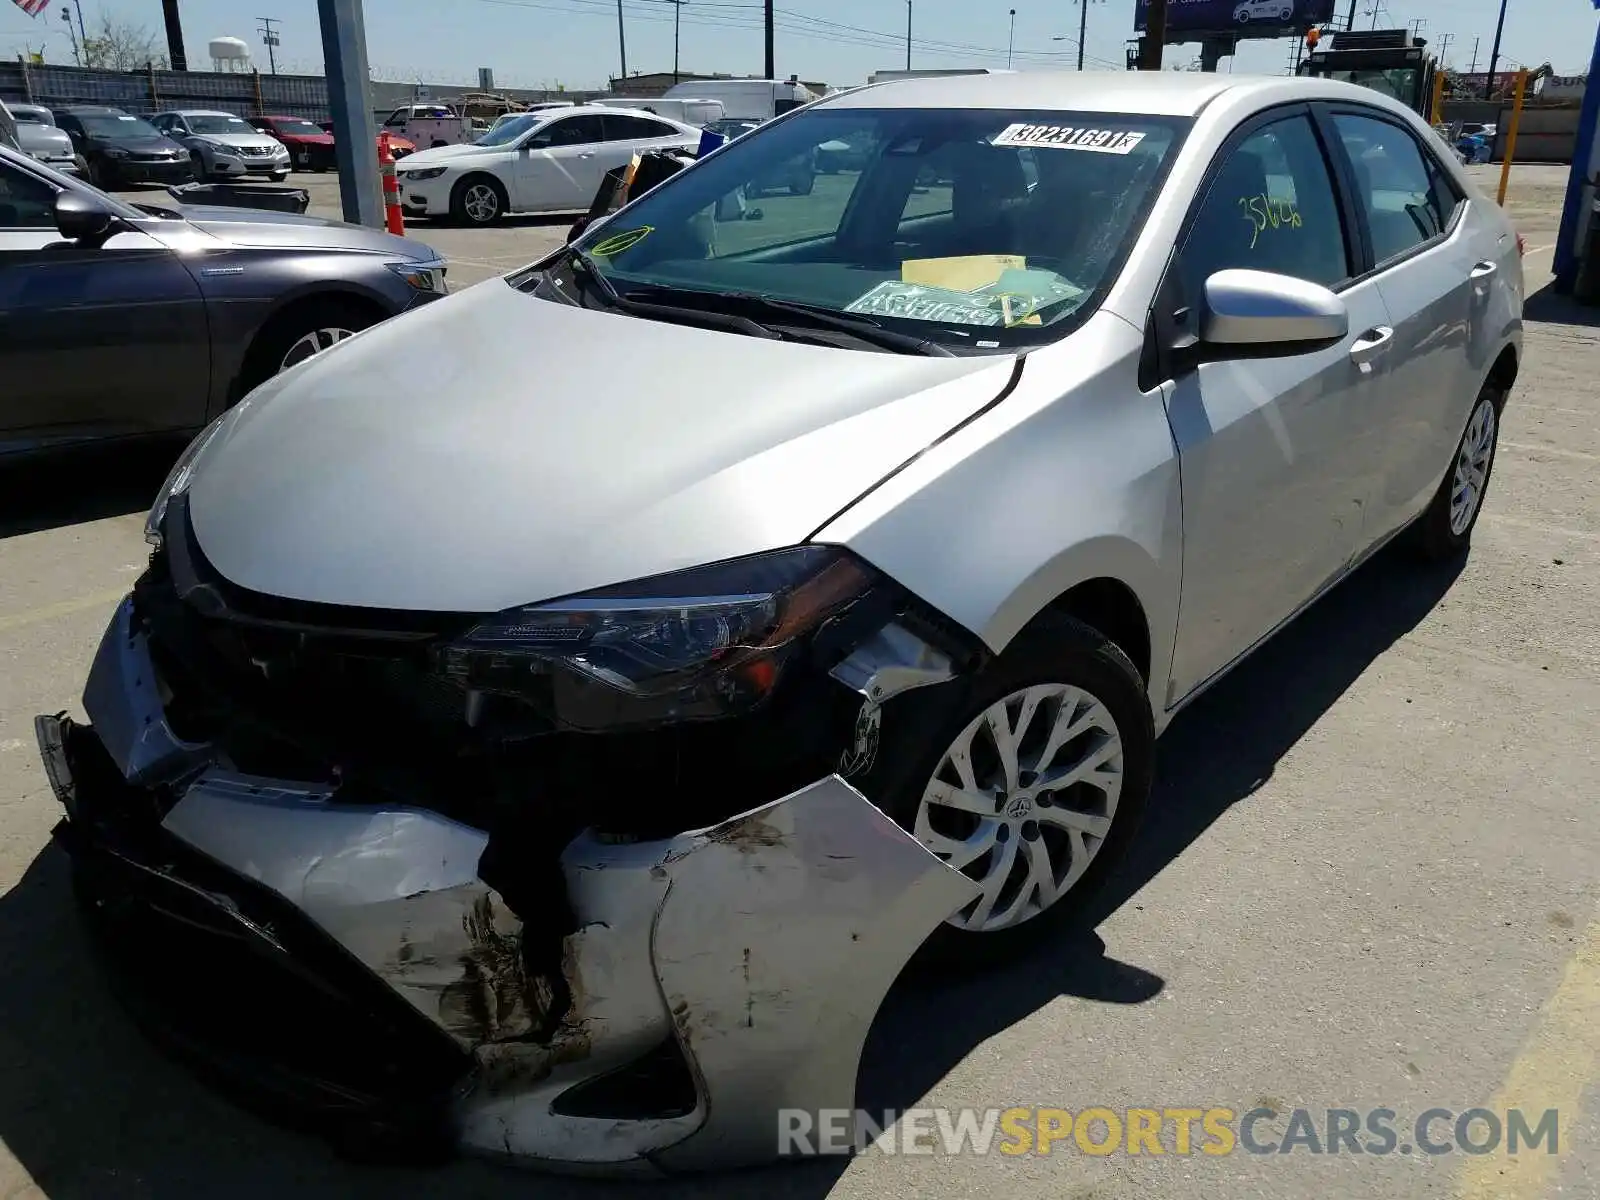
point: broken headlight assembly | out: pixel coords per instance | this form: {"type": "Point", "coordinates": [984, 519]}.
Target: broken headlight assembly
{"type": "Point", "coordinates": [694, 645]}
{"type": "Point", "coordinates": [178, 480]}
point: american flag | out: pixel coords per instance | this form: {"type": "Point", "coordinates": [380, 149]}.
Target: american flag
{"type": "Point", "coordinates": [32, 7]}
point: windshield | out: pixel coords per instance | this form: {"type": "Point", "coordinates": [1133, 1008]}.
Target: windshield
{"type": "Point", "coordinates": [210, 124]}
{"type": "Point", "coordinates": [298, 128]}
{"type": "Point", "coordinates": [115, 125]}
{"type": "Point", "coordinates": [29, 116]}
{"type": "Point", "coordinates": [976, 228]}
{"type": "Point", "coordinates": [1398, 83]}
{"type": "Point", "coordinates": [510, 130]}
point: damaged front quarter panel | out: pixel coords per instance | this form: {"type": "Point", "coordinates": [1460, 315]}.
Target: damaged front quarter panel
{"type": "Point", "coordinates": [753, 955]}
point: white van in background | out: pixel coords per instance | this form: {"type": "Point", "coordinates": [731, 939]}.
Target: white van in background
{"type": "Point", "coordinates": [695, 111]}
{"type": "Point", "coordinates": [748, 99]}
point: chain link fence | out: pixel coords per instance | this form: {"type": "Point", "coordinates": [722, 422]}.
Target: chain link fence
{"type": "Point", "coordinates": [247, 93]}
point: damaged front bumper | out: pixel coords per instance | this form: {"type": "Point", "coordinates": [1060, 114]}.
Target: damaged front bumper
{"type": "Point", "coordinates": [348, 962]}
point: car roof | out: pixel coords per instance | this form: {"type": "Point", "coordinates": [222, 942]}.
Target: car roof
{"type": "Point", "coordinates": [90, 109]}
{"type": "Point", "coordinates": [1156, 93]}
{"type": "Point", "coordinates": [198, 112]}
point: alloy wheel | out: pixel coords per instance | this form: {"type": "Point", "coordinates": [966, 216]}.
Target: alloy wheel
{"type": "Point", "coordinates": [1472, 466]}
{"type": "Point", "coordinates": [481, 202]}
{"type": "Point", "coordinates": [1023, 799]}
{"type": "Point", "coordinates": [312, 342]}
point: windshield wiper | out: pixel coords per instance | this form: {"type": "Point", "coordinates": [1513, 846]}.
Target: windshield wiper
{"type": "Point", "coordinates": [665, 312]}
{"type": "Point", "coordinates": [865, 329]}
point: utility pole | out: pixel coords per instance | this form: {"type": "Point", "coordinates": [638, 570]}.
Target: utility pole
{"type": "Point", "coordinates": [77, 55]}
{"type": "Point", "coordinates": [1155, 35]}
{"type": "Point", "coordinates": [771, 71]}
{"type": "Point", "coordinates": [1444, 45]}
{"type": "Point", "coordinates": [908, 35]}
{"type": "Point", "coordinates": [677, 17]}
{"type": "Point", "coordinates": [1494, 54]}
{"type": "Point", "coordinates": [1011, 39]}
{"type": "Point", "coordinates": [269, 39]}
{"type": "Point", "coordinates": [175, 51]}
{"type": "Point", "coordinates": [622, 45]}
{"type": "Point", "coordinates": [1473, 69]}
{"type": "Point", "coordinates": [1083, 29]}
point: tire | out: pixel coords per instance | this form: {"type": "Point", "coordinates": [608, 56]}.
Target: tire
{"type": "Point", "coordinates": [101, 176]}
{"type": "Point", "coordinates": [197, 164]}
{"type": "Point", "coordinates": [278, 346]}
{"type": "Point", "coordinates": [469, 203]}
{"type": "Point", "coordinates": [1444, 530]}
{"type": "Point", "coordinates": [1057, 659]}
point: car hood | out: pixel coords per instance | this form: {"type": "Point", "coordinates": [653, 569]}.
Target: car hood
{"type": "Point", "coordinates": [140, 144]}
{"type": "Point", "coordinates": [259, 229]}
{"type": "Point", "coordinates": [239, 141]}
{"type": "Point", "coordinates": [442, 155]}
{"type": "Point", "coordinates": [306, 139]}
{"type": "Point", "coordinates": [494, 449]}
{"type": "Point", "coordinates": [43, 139]}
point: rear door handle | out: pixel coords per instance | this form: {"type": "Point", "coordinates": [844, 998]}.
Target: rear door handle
{"type": "Point", "coordinates": [1483, 270]}
{"type": "Point", "coordinates": [1371, 343]}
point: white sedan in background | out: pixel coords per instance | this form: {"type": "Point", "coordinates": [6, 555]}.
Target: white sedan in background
{"type": "Point", "coordinates": [536, 162]}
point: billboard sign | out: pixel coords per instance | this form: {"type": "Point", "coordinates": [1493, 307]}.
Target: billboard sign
{"type": "Point", "coordinates": [1245, 18]}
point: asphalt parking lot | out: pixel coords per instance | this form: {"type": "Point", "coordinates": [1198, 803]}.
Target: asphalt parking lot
{"type": "Point", "coordinates": [1368, 878]}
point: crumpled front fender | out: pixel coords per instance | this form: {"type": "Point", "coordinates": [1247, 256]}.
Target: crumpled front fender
{"type": "Point", "coordinates": [758, 950]}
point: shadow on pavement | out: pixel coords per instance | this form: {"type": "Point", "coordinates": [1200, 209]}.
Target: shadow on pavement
{"type": "Point", "coordinates": [94, 1113]}
{"type": "Point", "coordinates": [67, 487]}
{"type": "Point", "coordinates": [1549, 306]}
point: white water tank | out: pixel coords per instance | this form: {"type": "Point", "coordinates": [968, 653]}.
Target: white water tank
{"type": "Point", "coordinates": [230, 54]}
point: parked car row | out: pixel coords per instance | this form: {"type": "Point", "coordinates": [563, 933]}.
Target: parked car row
{"type": "Point", "coordinates": [34, 131]}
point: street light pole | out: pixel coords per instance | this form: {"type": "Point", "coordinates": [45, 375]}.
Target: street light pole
{"type": "Point", "coordinates": [1011, 40]}
{"type": "Point", "coordinates": [908, 35]}
{"type": "Point", "coordinates": [1494, 53]}
{"type": "Point", "coordinates": [677, 16]}
{"type": "Point", "coordinates": [1083, 29]}
{"type": "Point", "coordinates": [622, 44]}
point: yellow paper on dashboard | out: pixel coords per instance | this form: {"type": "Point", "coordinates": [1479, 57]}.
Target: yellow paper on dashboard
{"type": "Point", "coordinates": [965, 273]}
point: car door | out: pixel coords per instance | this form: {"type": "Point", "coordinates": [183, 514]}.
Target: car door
{"type": "Point", "coordinates": [1271, 450]}
{"type": "Point", "coordinates": [559, 165]}
{"type": "Point", "coordinates": [1434, 275]}
{"type": "Point", "coordinates": [94, 341]}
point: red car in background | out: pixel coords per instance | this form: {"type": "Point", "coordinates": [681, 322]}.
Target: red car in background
{"type": "Point", "coordinates": [310, 145]}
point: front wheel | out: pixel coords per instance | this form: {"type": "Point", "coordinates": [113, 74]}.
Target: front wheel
{"type": "Point", "coordinates": [1032, 786]}
{"type": "Point", "coordinates": [1445, 528]}
{"type": "Point", "coordinates": [478, 200]}
{"type": "Point", "coordinates": [300, 332]}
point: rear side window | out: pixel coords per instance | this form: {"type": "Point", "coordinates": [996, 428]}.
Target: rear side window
{"type": "Point", "coordinates": [623, 128]}
{"type": "Point", "coordinates": [1271, 207]}
{"type": "Point", "coordinates": [1403, 193]}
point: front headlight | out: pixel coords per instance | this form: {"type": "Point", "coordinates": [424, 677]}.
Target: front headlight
{"type": "Point", "coordinates": [422, 173]}
{"type": "Point", "coordinates": [116, 152]}
{"type": "Point", "coordinates": [177, 481]}
{"type": "Point", "coordinates": [424, 276]}
{"type": "Point", "coordinates": [694, 645]}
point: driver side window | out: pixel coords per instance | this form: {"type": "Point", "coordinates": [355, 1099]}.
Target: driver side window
{"type": "Point", "coordinates": [1271, 207]}
{"type": "Point", "coordinates": [25, 202]}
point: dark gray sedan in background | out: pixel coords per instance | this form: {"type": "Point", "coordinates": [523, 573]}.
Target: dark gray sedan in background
{"type": "Point", "coordinates": [121, 320]}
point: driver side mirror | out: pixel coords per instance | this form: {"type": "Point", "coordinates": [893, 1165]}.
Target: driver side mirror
{"type": "Point", "coordinates": [82, 218]}
{"type": "Point", "coordinates": [1259, 314]}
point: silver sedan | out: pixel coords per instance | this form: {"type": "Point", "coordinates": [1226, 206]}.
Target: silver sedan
{"type": "Point", "coordinates": [631, 662]}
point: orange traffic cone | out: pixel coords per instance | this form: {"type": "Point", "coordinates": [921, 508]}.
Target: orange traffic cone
{"type": "Point", "coordinates": [394, 218]}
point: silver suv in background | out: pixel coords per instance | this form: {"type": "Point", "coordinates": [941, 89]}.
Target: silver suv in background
{"type": "Point", "coordinates": [33, 127]}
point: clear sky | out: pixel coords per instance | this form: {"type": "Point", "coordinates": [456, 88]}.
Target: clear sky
{"type": "Point", "coordinates": [543, 43]}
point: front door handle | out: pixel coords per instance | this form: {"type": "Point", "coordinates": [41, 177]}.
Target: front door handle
{"type": "Point", "coordinates": [1483, 270]}
{"type": "Point", "coordinates": [1371, 343]}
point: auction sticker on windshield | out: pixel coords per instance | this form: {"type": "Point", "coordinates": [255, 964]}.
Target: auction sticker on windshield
{"type": "Point", "coordinates": [1069, 137]}
{"type": "Point", "coordinates": [892, 298]}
